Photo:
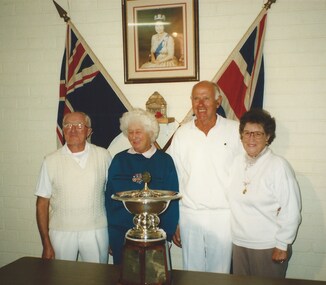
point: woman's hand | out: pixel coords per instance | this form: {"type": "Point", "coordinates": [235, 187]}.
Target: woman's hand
{"type": "Point", "coordinates": [279, 256]}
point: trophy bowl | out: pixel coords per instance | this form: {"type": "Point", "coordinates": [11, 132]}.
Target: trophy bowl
{"type": "Point", "coordinates": [155, 202]}
{"type": "Point", "coordinates": [146, 205]}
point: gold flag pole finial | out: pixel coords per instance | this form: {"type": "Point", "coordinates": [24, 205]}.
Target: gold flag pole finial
{"type": "Point", "coordinates": [63, 14]}
{"type": "Point", "coordinates": [269, 4]}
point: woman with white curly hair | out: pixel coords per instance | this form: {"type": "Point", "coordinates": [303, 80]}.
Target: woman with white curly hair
{"type": "Point", "coordinates": [125, 173]}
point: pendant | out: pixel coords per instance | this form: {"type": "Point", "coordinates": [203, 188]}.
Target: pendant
{"type": "Point", "coordinates": [244, 191]}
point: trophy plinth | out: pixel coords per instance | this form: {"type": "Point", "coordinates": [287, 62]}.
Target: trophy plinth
{"type": "Point", "coordinates": [146, 257]}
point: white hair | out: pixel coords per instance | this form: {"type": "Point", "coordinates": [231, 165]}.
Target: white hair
{"type": "Point", "coordinates": [88, 121]}
{"type": "Point", "coordinates": [146, 119]}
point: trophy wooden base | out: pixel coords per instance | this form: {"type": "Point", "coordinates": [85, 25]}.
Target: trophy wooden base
{"type": "Point", "coordinates": [146, 263]}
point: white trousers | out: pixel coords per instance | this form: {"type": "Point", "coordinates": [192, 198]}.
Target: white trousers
{"type": "Point", "coordinates": [91, 246]}
{"type": "Point", "coordinates": [206, 240]}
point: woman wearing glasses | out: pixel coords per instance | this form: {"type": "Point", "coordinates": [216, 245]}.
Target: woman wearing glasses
{"type": "Point", "coordinates": [265, 201]}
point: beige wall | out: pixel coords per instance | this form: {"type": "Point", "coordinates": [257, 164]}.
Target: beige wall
{"type": "Point", "coordinates": [31, 48]}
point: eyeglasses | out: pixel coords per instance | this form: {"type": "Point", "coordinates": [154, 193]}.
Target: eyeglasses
{"type": "Point", "coordinates": [78, 126]}
{"type": "Point", "coordinates": [256, 134]}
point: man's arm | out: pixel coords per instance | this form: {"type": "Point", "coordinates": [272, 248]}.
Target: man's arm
{"type": "Point", "coordinates": [42, 218]}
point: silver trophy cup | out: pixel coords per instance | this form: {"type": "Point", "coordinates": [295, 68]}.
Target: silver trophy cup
{"type": "Point", "coordinates": [146, 257]}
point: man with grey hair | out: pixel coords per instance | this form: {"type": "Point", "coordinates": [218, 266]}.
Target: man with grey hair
{"type": "Point", "coordinates": [203, 150]}
{"type": "Point", "coordinates": [70, 208]}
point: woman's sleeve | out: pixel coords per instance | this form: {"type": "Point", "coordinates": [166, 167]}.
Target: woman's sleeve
{"type": "Point", "coordinates": [170, 218]}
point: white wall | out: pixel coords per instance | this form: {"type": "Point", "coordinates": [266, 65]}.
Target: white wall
{"type": "Point", "coordinates": [31, 48]}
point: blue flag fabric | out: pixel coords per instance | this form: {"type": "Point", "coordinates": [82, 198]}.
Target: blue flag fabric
{"type": "Point", "coordinates": [84, 88]}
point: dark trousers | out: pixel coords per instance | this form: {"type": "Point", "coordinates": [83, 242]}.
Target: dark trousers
{"type": "Point", "coordinates": [257, 262]}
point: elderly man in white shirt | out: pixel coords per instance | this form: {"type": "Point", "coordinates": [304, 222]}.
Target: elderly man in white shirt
{"type": "Point", "coordinates": [203, 150]}
{"type": "Point", "coordinates": [70, 206]}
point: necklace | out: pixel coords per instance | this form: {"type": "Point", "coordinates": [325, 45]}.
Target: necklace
{"type": "Point", "coordinates": [250, 161]}
{"type": "Point", "coordinates": [246, 181]}
{"type": "Point", "coordinates": [245, 188]}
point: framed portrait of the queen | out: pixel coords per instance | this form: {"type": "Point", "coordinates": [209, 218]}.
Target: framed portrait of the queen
{"type": "Point", "coordinates": [160, 40]}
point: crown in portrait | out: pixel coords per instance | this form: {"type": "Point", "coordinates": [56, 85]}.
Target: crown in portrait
{"type": "Point", "coordinates": [159, 17]}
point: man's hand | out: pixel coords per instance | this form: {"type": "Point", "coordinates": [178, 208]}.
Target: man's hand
{"type": "Point", "coordinates": [42, 218]}
{"type": "Point", "coordinates": [48, 252]}
{"type": "Point", "coordinates": [177, 238]}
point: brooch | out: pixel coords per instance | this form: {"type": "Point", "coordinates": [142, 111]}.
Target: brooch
{"type": "Point", "coordinates": [137, 178]}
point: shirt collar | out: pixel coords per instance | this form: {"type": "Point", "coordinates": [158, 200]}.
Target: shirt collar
{"type": "Point", "coordinates": [66, 149]}
{"type": "Point", "coordinates": [147, 154]}
{"type": "Point", "coordinates": [218, 120]}
{"type": "Point", "coordinates": [252, 160]}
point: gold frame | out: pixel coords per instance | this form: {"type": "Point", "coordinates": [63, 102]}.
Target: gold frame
{"type": "Point", "coordinates": [138, 28]}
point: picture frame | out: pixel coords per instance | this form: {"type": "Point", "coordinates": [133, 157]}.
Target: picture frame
{"type": "Point", "coordinates": [160, 41]}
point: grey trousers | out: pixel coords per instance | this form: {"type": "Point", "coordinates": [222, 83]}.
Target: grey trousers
{"type": "Point", "coordinates": [257, 262]}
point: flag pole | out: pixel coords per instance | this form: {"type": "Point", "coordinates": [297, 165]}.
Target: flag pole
{"type": "Point", "coordinates": [63, 14]}
{"type": "Point", "coordinates": [268, 4]}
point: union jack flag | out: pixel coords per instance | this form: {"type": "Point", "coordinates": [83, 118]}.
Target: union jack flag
{"type": "Point", "coordinates": [241, 78]}
{"type": "Point", "coordinates": [85, 86]}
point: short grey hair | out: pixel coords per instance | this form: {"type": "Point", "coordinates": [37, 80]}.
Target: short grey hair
{"type": "Point", "coordinates": [146, 119]}
{"type": "Point", "coordinates": [88, 120]}
{"type": "Point", "coordinates": [217, 90]}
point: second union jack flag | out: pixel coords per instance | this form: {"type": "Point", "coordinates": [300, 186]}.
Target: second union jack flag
{"type": "Point", "coordinates": [241, 78]}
